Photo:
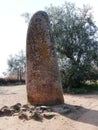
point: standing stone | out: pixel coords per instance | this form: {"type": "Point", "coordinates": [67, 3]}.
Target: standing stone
{"type": "Point", "coordinates": [43, 80]}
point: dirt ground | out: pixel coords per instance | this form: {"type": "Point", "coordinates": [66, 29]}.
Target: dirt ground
{"type": "Point", "coordinates": [84, 118]}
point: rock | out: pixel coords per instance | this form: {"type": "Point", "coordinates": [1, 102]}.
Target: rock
{"type": "Point", "coordinates": [23, 109]}
{"type": "Point", "coordinates": [48, 115]}
{"type": "Point", "coordinates": [7, 112]}
{"type": "Point", "coordinates": [31, 107]}
{"type": "Point", "coordinates": [25, 106]}
{"type": "Point", "coordinates": [43, 77]}
{"type": "Point", "coordinates": [23, 116]}
{"type": "Point", "coordinates": [45, 108]}
{"type": "Point", "coordinates": [16, 107]}
{"type": "Point", "coordinates": [4, 107]}
{"type": "Point", "coordinates": [36, 116]}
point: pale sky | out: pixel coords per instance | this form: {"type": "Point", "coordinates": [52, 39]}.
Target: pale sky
{"type": "Point", "coordinates": [13, 27]}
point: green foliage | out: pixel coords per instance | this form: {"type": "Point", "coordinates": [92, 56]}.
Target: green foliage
{"type": "Point", "coordinates": [84, 89]}
{"type": "Point", "coordinates": [75, 35]}
{"type": "Point", "coordinates": [16, 65]}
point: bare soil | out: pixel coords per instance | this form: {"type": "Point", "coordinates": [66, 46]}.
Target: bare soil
{"type": "Point", "coordinates": [80, 112]}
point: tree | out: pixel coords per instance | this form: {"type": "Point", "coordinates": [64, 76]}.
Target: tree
{"type": "Point", "coordinates": [17, 65]}
{"type": "Point", "coordinates": [26, 16]}
{"type": "Point", "coordinates": [76, 42]}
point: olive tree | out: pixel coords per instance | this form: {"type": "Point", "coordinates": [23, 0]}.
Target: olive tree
{"type": "Point", "coordinates": [17, 65]}
{"type": "Point", "coordinates": [76, 42]}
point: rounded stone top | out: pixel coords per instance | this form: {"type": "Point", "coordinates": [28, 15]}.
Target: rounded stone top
{"type": "Point", "coordinates": [39, 16]}
{"type": "Point", "coordinates": [41, 13]}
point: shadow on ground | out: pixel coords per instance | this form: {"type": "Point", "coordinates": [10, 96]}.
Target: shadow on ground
{"type": "Point", "coordinates": [78, 113]}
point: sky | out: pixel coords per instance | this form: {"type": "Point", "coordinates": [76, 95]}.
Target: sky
{"type": "Point", "coordinates": [13, 28]}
